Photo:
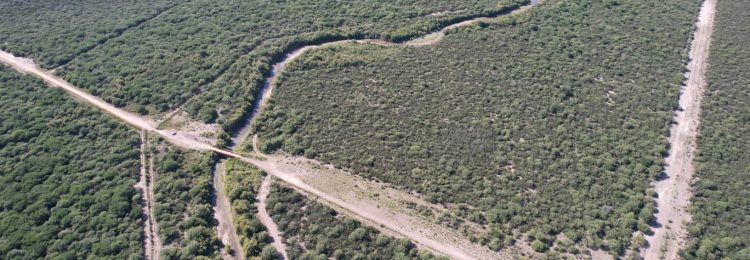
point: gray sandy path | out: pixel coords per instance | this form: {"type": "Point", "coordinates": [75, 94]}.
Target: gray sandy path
{"type": "Point", "coordinates": [674, 192]}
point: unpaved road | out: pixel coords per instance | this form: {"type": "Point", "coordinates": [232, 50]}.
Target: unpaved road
{"type": "Point", "coordinates": [223, 215]}
{"type": "Point", "coordinates": [265, 218]}
{"type": "Point", "coordinates": [674, 191]}
{"type": "Point", "coordinates": [28, 67]}
{"type": "Point", "coordinates": [270, 82]}
{"type": "Point", "coordinates": [150, 237]}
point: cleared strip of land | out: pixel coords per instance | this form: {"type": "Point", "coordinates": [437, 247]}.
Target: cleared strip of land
{"type": "Point", "coordinates": [151, 243]}
{"type": "Point", "coordinates": [674, 190]}
{"type": "Point", "coordinates": [227, 232]}
{"type": "Point", "coordinates": [265, 218]}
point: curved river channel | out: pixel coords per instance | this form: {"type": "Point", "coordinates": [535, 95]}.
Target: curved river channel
{"type": "Point", "coordinates": [278, 68]}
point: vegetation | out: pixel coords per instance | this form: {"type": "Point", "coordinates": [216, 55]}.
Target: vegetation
{"type": "Point", "coordinates": [212, 55]}
{"type": "Point", "coordinates": [183, 212]}
{"type": "Point", "coordinates": [721, 221]}
{"type": "Point", "coordinates": [549, 122]}
{"type": "Point", "coordinates": [66, 177]}
{"type": "Point", "coordinates": [314, 231]}
{"type": "Point", "coordinates": [55, 32]}
{"type": "Point", "coordinates": [242, 183]}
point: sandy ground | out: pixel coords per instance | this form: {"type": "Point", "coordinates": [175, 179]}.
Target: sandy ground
{"type": "Point", "coordinates": [265, 218]}
{"type": "Point", "coordinates": [438, 36]}
{"type": "Point", "coordinates": [674, 191]}
{"type": "Point", "coordinates": [601, 255]}
{"type": "Point", "coordinates": [223, 215]}
{"type": "Point", "coordinates": [179, 121]}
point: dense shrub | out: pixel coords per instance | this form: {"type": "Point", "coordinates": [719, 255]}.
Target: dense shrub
{"type": "Point", "coordinates": [66, 177]}
{"type": "Point", "coordinates": [213, 55]}
{"type": "Point", "coordinates": [55, 32]}
{"type": "Point", "coordinates": [183, 201]}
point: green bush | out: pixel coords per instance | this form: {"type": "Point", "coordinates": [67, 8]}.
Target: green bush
{"type": "Point", "coordinates": [66, 177]}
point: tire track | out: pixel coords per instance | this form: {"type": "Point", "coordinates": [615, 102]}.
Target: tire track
{"type": "Point", "coordinates": [265, 218]}
{"type": "Point", "coordinates": [151, 242]}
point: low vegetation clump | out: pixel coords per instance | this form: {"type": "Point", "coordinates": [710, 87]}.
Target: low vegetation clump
{"type": "Point", "coordinates": [242, 184]}
{"type": "Point", "coordinates": [720, 227]}
{"type": "Point", "coordinates": [55, 32]}
{"type": "Point", "coordinates": [66, 177]}
{"type": "Point", "coordinates": [549, 122]}
{"type": "Point", "coordinates": [209, 57]}
{"type": "Point", "coordinates": [312, 230]}
{"type": "Point", "coordinates": [183, 202]}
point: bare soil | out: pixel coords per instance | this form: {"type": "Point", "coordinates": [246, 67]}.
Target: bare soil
{"type": "Point", "coordinates": [674, 191]}
{"type": "Point", "coordinates": [180, 138]}
{"type": "Point", "coordinates": [179, 121]}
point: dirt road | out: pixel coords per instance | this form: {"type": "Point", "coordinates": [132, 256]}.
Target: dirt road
{"type": "Point", "coordinates": [223, 215]}
{"type": "Point", "coordinates": [149, 231]}
{"type": "Point", "coordinates": [265, 218]}
{"type": "Point", "coordinates": [674, 190]}
{"type": "Point", "coordinates": [28, 67]}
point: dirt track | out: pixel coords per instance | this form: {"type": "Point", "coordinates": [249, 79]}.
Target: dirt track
{"type": "Point", "coordinates": [265, 218]}
{"type": "Point", "coordinates": [150, 236]}
{"type": "Point", "coordinates": [674, 191]}
{"type": "Point", "coordinates": [223, 215]}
